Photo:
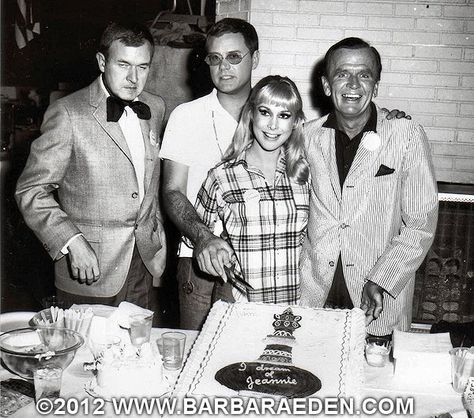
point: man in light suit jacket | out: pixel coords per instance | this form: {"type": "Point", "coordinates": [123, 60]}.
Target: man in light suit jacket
{"type": "Point", "coordinates": [89, 190]}
{"type": "Point", "coordinates": [373, 203]}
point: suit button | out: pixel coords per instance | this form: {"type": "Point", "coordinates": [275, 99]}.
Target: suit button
{"type": "Point", "coordinates": [331, 263]}
{"type": "Point", "coordinates": [136, 227]}
{"type": "Point", "coordinates": [134, 195]}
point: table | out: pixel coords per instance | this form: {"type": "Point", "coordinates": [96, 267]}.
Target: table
{"type": "Point", "coordinates": [430, 401]}
{"type": "Point", "coordinates": [379, 383]}
{"type": "Point", "coordinates": [74, 377]}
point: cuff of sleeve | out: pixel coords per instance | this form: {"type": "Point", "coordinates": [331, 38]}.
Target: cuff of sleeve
{"type": "Point", "coordinates": [65, 250]}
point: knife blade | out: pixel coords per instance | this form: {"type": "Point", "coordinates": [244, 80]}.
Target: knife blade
{"type": "Point", "coordinates": [235, 276]}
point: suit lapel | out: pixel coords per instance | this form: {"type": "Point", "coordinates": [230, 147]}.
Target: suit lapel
{"type": "Point", "coordinates": [149, 151]}
{"type": "Point", "coordinates": [98, 100]}
{"type": "Point", "coordinates": [328, 149]}
{"type": "Point", "coordinates": [365, 157]}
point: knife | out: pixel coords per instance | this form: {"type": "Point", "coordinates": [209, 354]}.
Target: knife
{"type": "Point", "coordinates": [231, 272]}
{"type": "Point", "coordinates": [236, 276]}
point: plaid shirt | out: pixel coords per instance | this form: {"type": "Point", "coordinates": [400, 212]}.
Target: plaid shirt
{"type": "Point", "coordinates": [266, 225]}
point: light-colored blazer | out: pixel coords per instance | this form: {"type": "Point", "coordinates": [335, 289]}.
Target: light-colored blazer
{"type": "Point", "coordinates": [85, 161]}
{"type": "Point", "coordinates": [382, 225]}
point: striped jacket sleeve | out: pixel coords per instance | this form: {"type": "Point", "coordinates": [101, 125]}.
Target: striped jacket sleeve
{"type": "Point", "coordinates": [419, 209]}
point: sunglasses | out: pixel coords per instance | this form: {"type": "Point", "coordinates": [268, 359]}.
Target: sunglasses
{"type": "Point", "coordinates": [233, 58]}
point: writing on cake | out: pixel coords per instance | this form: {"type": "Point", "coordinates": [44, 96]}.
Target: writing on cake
{"type": "Point", "coordinates": [273, 373]}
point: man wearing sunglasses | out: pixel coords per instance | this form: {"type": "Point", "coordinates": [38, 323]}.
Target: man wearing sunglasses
{"type": "Point", "coordinates": [197, 135]}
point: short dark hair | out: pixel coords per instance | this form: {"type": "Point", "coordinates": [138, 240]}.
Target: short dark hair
{"type": "Point", "coordinates": [129, 33]}
{"type": "Point", "coordinates": [352, 43]}
{"type": "Point", "coordinates": [232, 25]}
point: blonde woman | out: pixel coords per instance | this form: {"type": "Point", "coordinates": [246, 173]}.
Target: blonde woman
{"type": "Point", "coordinates": [261, 193]}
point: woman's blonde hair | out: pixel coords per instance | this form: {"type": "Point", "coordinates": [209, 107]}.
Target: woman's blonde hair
{"type": "Point", "coordinates": [279, 91]}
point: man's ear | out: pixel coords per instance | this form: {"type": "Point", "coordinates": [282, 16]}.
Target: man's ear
{"type": "Point", "coordinates": [255, 59]}
{"type": "Point", "coordinates": [100, 61]}
{"type": "Point", "coordinates": [326, 86]}
{"type": "Point", "coordinates": [376, 89]}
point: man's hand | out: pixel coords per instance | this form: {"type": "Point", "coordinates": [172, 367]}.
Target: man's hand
{"type": "Point", "coordinates": [372, 301]}
{"type": "Point", "coordinates": [84, 263]}
{"type": "Point", "coordinates": [212, 253]}
{"type": "Point", "coordinates": [395, 113]}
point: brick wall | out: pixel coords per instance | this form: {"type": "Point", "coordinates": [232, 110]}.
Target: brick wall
{"type": "Point", "coordinates": [233, 8]}
{"type": "Point", "coordinates": [427, 51]}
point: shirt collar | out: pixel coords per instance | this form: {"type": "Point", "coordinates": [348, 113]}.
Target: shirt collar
{"type": "Point", "coordinates": [102, 86]}
{"type": "Point", "coordinates": [240, 159]}
{"type": "Point", "coordinates": [215, 105]}
{"type": "Point", "coordinates": [371, 125]}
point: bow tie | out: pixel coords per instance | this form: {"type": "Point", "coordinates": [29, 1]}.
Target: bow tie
{"type": "Point", "coordinates": [115, 107]}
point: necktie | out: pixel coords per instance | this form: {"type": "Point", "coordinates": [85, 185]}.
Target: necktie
{"type": "Point", "coordinates": [115, 107]}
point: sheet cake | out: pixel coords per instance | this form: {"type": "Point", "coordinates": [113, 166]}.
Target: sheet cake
{"type": "Point", "coordinates": [256, 349]}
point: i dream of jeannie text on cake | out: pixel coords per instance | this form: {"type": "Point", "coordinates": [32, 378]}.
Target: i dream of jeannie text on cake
{"type": "Point", "coordinates": [268, 378]}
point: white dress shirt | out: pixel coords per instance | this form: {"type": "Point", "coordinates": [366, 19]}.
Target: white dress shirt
{"type": "Point", "coordinates": [132, 131]}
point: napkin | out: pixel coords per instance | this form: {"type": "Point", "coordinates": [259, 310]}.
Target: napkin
{"type": "Point", "coordinates": [97, 309]}
{"type": "Point", "coordinates": [422, 358]}
{"type": "Point", "coordinates": [125, 309]}
{"type": "Point", "coordinates": [101, 328]}
{"type": "Point", "coordinates": [103, 333]}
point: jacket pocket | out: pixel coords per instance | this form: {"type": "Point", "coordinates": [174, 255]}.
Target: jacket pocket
{"type": "Point", "coordinates": [94, 236]}
{"type": "Point", "coordinates": [93, 233]}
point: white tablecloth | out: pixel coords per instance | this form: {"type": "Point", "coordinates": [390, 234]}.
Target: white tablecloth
{"type": "Point", "coordinates": [74, 377]}
{"type": "Point", "coordinates": [379, 383]}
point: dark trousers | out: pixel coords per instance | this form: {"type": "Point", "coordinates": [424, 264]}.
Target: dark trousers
{"type": "Point", "coordinates": [338, 297]}
{"type": "Point", "coordinates": [197, 292]}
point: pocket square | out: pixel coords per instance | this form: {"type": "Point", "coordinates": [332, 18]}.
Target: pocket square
{"type": "Point", "coordinates": [384, 171]}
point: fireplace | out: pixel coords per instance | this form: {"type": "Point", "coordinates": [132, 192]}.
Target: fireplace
{"type": "Point", "coordinates": [444, 287]}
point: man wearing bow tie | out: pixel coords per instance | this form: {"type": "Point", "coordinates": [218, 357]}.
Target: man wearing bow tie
{"type": "Point", "coordinates": [89, 190]}
{"type": "Point", "coordinates": [373, 204]}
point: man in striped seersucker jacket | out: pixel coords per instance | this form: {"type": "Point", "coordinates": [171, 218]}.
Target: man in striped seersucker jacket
{"type": "Point", "coordinates": [373, 204]}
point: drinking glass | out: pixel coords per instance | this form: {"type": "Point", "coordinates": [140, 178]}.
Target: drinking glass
{"type": "Point", "coordinates": [173, 349]}
{"type": "Point", "coordinates": [376, 351]}
{"type": "Point", "coordinates": [462, 367]}
{"type": "Point", "coordinates": [98, 346]}
{"type": "Point", "coordinates": [140, 328]}
{"type": "Point", "coordinates": [47, 380]}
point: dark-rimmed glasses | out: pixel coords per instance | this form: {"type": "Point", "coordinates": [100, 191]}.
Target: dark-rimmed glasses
{"type": "Point", "coordinates": [233, 58]}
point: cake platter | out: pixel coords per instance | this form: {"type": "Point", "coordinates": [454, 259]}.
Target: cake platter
{"type": "Point", "coordinates": [93, 389]}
